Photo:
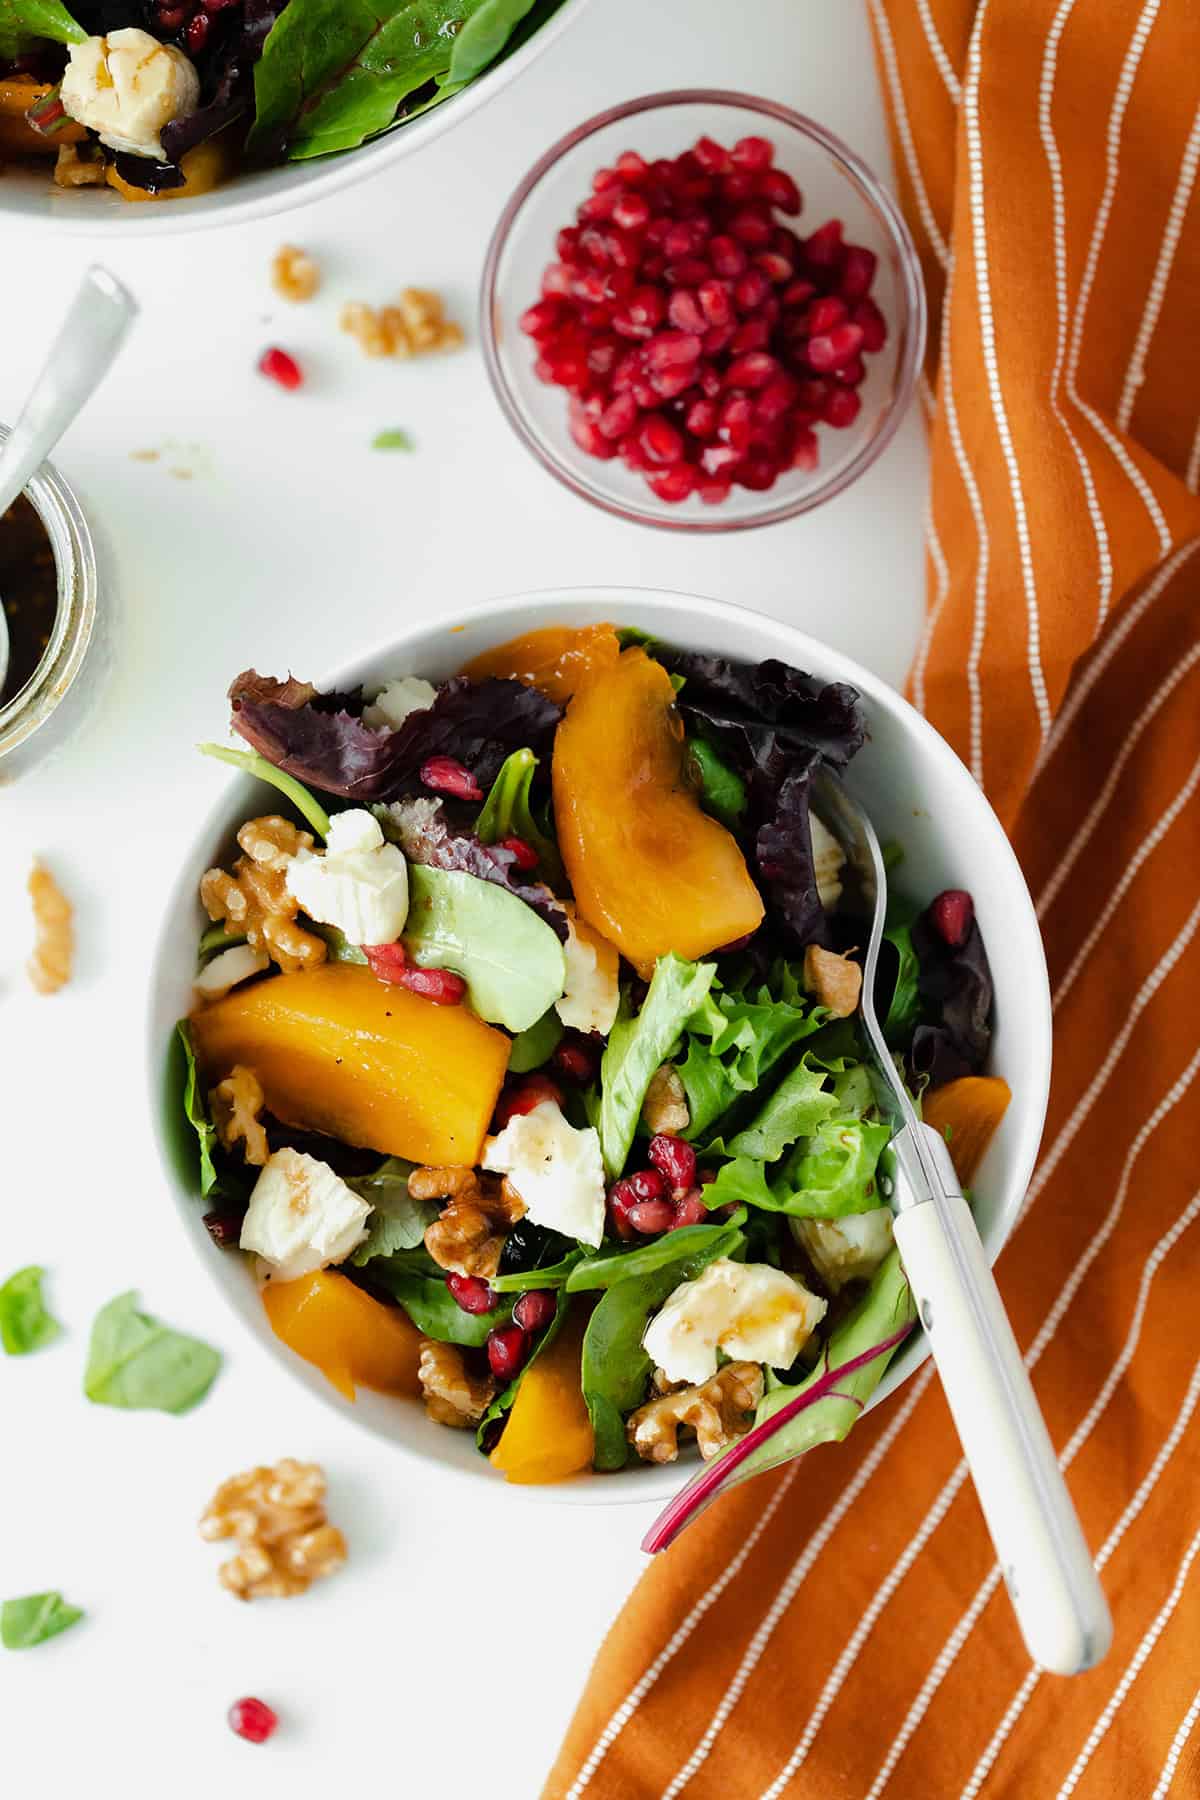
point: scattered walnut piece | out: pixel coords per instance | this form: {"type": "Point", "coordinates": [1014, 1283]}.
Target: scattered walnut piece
{"type": "Point", "coordinates": [277, 1515]}
{"type": "Point", "coordinates": [295, 275]}
{"type": "Point", "coordinates": [416, 325]}
{"type": "Point", "coordinates": [72, 170]}
{"type": "Point", "coordinates": [54, 933]}
{"type": "Point", "coordinates": [718, 1411]}
{"type": "Point", "coordinates": [235, 1105]}
{"type": "Point", "coordinates": [468, 1235]}
{"type": "Point", "coordinates": [452, 1395]}
{"type": "Point", "coordinates": [665, 1107]}
{"type": "Point", "coordinates": [254, 900]}
{"type": "Point", "coordinates": [834, 981]}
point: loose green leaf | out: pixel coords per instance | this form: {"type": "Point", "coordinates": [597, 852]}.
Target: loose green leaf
{"type": "Point", "coordinates": [394, 439]}
{"type": "Point", "coordinates": [137, 1363]}
{"type": "Point", "coordinates": [253, 764]}
{"type": "Point", "coordinates": [613, 1265]}
{"type": "Point", "coordinates": [484, 36]}
{"type": "Point", "coordinates": [508, 812]}
{"type": "Point", "coordinates": [398, 1222]}
{"type": "Point", "coordinates": [532, 1048]}
{"type": "Point", "coordinates": [722, 790]}
{"type": "Point", "coordinates": [23, 21]}
{"type": "Point", "coordinates": [434, 1310]}
{"type": "Point", "coordinates": [34, 1618]}
{"type": "Point", "coordinates": [25, 1323]}
{"type": "Point", "coordinates": [196, 1112]}
{"type": "Point", "coordinates": [802, 1101]}
{"type": "Point", "coordinates": [510, 959]}
{"type": "Point", "coordinates": [637, 1046]}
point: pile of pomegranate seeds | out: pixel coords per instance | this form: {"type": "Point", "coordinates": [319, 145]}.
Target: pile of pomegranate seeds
{"type": "Point", "coordinates": [662, 1197]}
{"type": "Point", "coordinates": [701, 339]}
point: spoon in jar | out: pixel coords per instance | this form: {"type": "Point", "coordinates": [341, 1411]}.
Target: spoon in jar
{"type": "Point", "coordinates": [1043, 1556]}
{"type": "Point", "coordinates": [79, 358]}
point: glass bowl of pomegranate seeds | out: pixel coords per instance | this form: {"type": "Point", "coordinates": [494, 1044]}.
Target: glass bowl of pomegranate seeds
{"type": "Point", "coordinates": [701, 310]}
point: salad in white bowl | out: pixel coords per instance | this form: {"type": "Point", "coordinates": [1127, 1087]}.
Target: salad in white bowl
{"type": "Point", "coordinates": [523, 1069]}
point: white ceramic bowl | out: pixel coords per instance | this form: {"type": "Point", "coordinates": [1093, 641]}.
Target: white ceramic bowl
{"type": "Point", "coordinates": [917, 792]}
{"type": "Point", "coordinates": [30, 196]}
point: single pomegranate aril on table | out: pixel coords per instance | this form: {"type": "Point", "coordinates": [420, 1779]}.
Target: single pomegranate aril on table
{"type": "Point", "coordinates": [534, 1310]}
{"type": "Point", "coordinates": [674, 1159]}
{"type": "Point", "coordinates": [252, 1719]}
{"type": "Point", "coordinates": [471, 1293]}
{"type": "Point", "coordinates": [652, 1216]}
{"type": "Point", "coordinates": [443, 775]}
{"type": "Point", "coordinates": [952, 915]}
{"type": "Point", "coordinates": [648, 1184]}
{"type": "Point", "coordinates": [753, 153]}
{"type": "Point", "coordinates": [507, 1348]}
{"type": "Point", "coordinates": [281, 368]}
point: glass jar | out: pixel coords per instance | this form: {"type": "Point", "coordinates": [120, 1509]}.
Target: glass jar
{"type": "Point", "coordinates": [54, 701]}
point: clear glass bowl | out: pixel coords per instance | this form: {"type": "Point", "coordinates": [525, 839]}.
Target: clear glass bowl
{"type": "Point", "coordinates": [834, 183]}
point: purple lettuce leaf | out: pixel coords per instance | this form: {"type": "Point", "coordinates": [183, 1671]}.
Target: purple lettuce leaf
{"type": "Point", "coordinates": [426, 833]}
{"type": "Point", "coordinates": [323, 742]}
{"type": "Point", "coordinates": [955, 985]}
{"type": "Point", "coordinates": [226, 70]}
{"type": "Point", "coordinates": [783, 855]}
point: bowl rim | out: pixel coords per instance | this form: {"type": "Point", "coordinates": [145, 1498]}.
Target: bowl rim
{"type": "Point", "coordinates": [860, 173]}
{"type": "Point", "coordinates": [654, 1485]}
{"type": "Point", "coordinates": [329, 174]}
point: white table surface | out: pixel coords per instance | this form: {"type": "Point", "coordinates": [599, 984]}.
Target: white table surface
{"type": "Point", "coordinates": [451, 1649]}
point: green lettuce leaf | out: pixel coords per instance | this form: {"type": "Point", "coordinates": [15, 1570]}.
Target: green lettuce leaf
{"type": "Point", "coordinates": [34, 1618]}
{"type": "Point", "coordinates": [196, 1112]}
{"type": "Point", "coordinates": [434, 1310]}
{"type": "Point", "coordinates": [25, 1323]}
{"type": "Point", "coordinates": [251, 763]}
{"type": "Point", "coordinates": [800, 1103]}
{"type": "Point", "coordinates": [484, 36]}
{"type": "Point", "coordinates": [510, 959]}
{"type": "Point", "coordinates": [722, 790]}
{"type": "Point", "coordinates": [536, 1045]}
{"type": "Point", "coordinates": [733, 1043]}
{"type": "Point", "coordinates": [637, 1046]}
{"type": "Point", "coordinates": [22, 22]}
{"type": "Point", "coordinates": [898, 961]}
{"type": "Point", "coordinates": [136, 1362]}
{"type": "Point", "coordinates": [508, 812]}
{"type": "Point", "coordinates": [828, 1175]}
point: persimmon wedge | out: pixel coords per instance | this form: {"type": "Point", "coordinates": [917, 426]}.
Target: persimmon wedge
{"type": "Point", "coordinates": [337, 1050]}
{"type": "Point", "coordinates": [651, 871]}
{"type": "Point", "coordinates": [556, 660]}
{"type": "Point", "coordinates": [548, 1435]}
{"type": "Point", "coordinates": [967, 1113]}
{"type": "Point", "coordinates": [354, 1340]}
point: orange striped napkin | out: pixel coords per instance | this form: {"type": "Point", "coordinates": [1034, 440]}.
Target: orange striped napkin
{"type": "Point", "coordinates": [839, 1629]}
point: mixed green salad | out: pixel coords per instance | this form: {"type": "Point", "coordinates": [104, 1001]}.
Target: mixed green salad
{"type": "Point", "coordinates": [525, 1062]}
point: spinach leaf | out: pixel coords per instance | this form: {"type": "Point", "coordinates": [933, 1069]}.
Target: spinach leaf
{"type": "Point", "coordinates": [722, 790]}
{"type": "Point", "coordinates": [504, 1400]}
{"type": "Point", "coordinates": [398, 1221]}
{"type": "Point", "coordinates": [252, 763]}
{"type": "Point", "coordinates": [554, 1275]}
{"type": "Point", "coordinates": [22, 21]}
{"type": "Point", "coordinates": [136, 1362]}
{"type": "Point", "coordinates": [615, 1265]}
{"type": "Point", "coordinates": [434, 1310]}
{"type": "Point", "coordinates": [484, 36]}
{"type": "Point", "coordinates": [897, 995]}
{"type": "Point", "coordinates": [196, 1112]}
{"type": "Point", "coordinates": [511, 961]}
{"type": "Point", "coordinates": [798, 1106]}
{"type": "Point", "coordinates": [508, 812]}
{"type": "Point", "coordinates": [535, 1046]}
{"type": "Point", "coordinates": [34, 1618]}
{"type": "Point", "coordinates": [334, 72]}
{"type": "Point", "coordinates": [638, 1046]}
{"type": "Point", "coordinates": [25, 1324]}
{"type": "Point", "coordinates": [615, 1368]}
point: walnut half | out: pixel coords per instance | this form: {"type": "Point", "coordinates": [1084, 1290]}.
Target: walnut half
{"type": "Point", "coordinates": [254, 899]}
{"type": "Point", "coordinates": [665, 1107]}
{"type": "Point", "coordinates": [452, 1395]}
{"type": "Point", "coordinates": [277, 1515]}
{"type": "Point", "coordinates": [468, 1235]}
{"type": "Point", "coordinates": [718, 1411]}
{"type": "Point", "coordinates": [235, 1105]}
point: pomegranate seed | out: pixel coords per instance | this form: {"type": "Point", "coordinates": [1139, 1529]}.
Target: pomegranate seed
{"type": "Point", "coordinates": [442, 986]}
{"type": "Point", "coordinates": [556, 280]}
{"type": "Point", "coordinates": [688, 272]}
{"type": "Point", "coordinates": [618, 416]}
{"type": "Point", "coordinates": [386, 961]}
{"type": "Point", "coordinates": [170, 18]}
{"type": "Point", "coordinates": [593, 243]}
{"type": "Point", "coordinates": [605, 178]}
{"type": "Point", "coordinates": [471, 1293]}
{"type": "Point", "coordinates": [842, 408]}
{"type": "Point", "coordinates": [674, 1159]}
{"type": "Point", "coordinates": [567, 243]}
{"type": "Point", "coordinates": [672, 349]}
{"type": "Point", "coordinates": [951, 915]}
{"type": "Point", "coordinates": [445, 776]}
{"type": "Point", "coordinates": [621, 1198]}
{"type": "Point", "coordinates": [524, 854]}
{"type": "Point", "coordinates": [631, 212]}
{"type": "Point", "coordinates": [858, 272]}
{"type": "Point", "coordinates": [715, 340]}
{"type": "Point", "coordinates": [831, 348]}
{"type": "Point", "coordinates": [507, 1348]}
{"type": "Point", "coordinates": [648, 1184]}
{"type": "Point", "coordinates": [780, 191]}
{"type": "Point", "coordinates": [197, 32]}
{"type": "Point", "coordinates": [651, 1216]}
{"type": "Point", "coordinates": [797, 292]}
{"type": "Point", "coordinates": [852, 373]}
{"type": "Point", "coordinates": [753, 371]}
{"type": "Point", "coordinates": [824, 314]}
{"type": "Point", "coordinates": [224, 1227]}
{"type": "Point", "coordinates": [750, 290]}
{"type": "Point", "coordinates": [751, 334]}
{"type": "Point", "coordinates": [602, 356]}
{"type": "Point", "coordinates": [805, 450]}
{"type": "Point", "coordinates": [713, 158]}
{"type": "Point", "coordinates": [631, 166]}
{"type": "Point", "coordinates": [252, 1719]}
{"type": "Point", "coordinates": [542, 318]}
{"type": "Point", "coordinates": [576, 1060]}
{"type": "Point", "coordinates": [776, 400]}
{"type": "Point", "coordinates": [719, 459]}
{"type": "Point", "coordinates": [871, 323]}
{"type": "Point", "coordinates": [713, 492]}
{"type": "Point", "coordinates": [685, 312]}
{"type": "Point", "coordinates": [753, 153]}
{"type": "Point", "coordinates": [751, 228]}
{"type": "Point", "coordinates": [673, 485]}
{"type": "Point", "coordinates": [774, 266]}
{"type": "Point", "coordinates": [727, 257]}
{"type": "Point", "coordinates": [758, 472]}
{"type": "Point", "coordinates": [738, 186]}
{"type": "Point", "coordinates": [589, 437]}
{"type": "Point", "coordinates": [701, 419]}
{"type": "Point", "coordinates": [659, 440]}
{"type": "Point", "coordinates": [278, 366]}
{"type": "Point", "coordinates": [823, 250]}
{"type": "Point", "coordinates": [691, 1210]}
{"type": "Point", "coordinates": [598, 207]}
{"type": "Point", "coordinates": [534, 1310]}
{"type": "Point", "coordinates": [737, 416]}
{"type": "Point", "coordinates": [715, 303]}
{"type": "Point", "coordinates": [623, 250]}
{"type": "Point", "coordinates": [529, 1092]}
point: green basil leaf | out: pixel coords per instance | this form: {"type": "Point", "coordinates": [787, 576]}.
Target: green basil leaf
{"type": "Point", "coordinates": [484, 36]}
{"type": "Point", "coordinates": [637, 1046]}
{"type": "Point", "coordinates": [25, 1323]}
{"type": "Point", "coordinates": [434, 1310]}
{"type": "Point", "coordinates": [306, 804]}
{"type": "Point", "coordinates": [136, 1362]}
{"type": "Point", "coordinates": [34, 1618]}
{"type": "Point", "coordinates": [532, 1048]}
{"type": "Point", "coordinates": [510, 959]}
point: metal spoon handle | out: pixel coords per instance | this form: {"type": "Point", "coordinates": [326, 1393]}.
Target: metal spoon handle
{"type": "Point", "coordinates": [92, 332]}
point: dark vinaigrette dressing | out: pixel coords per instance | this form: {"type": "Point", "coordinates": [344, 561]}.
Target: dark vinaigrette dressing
{"type": "Point", "coordinates": [28, 592]}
